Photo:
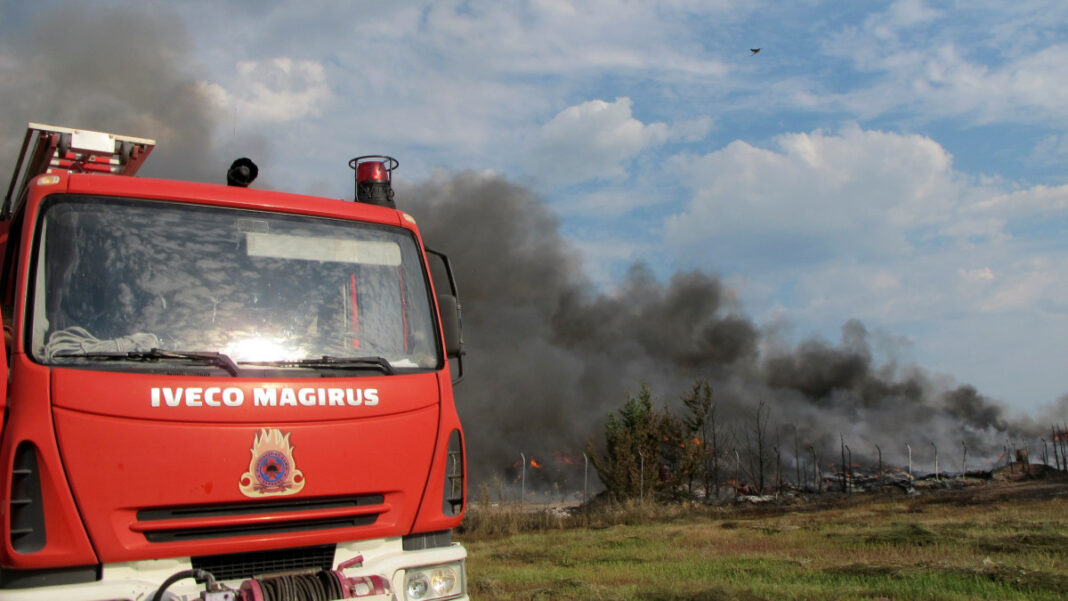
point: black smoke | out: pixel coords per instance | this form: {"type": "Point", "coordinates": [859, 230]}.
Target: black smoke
{"type": "Point", "coordinates": [127, 70]}
{"type": "Point", "coordinates": [550, 356]}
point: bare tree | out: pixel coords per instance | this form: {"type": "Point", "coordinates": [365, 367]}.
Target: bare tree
{"type": "Point", "coordinates": [778, 460]}
{"type": "Point", "coordinates": [815, 467]}
{"type": "Point", "coordinates": [964, 461]}
{"type": "Point", "coordinates": [757, 447]}
{"type": "Point", "coordinates": [797, 460]}
{"type": "Point", "coordinates": [841, 438]}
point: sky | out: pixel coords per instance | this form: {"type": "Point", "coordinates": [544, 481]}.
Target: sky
{"type": "Point", "coordinates": [901, 164]}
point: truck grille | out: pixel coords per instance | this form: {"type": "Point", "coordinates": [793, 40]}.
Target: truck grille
{"type": "Point", "coordinates": [241, 566]}
{"type": "Point", "coordinates": [199, 522]}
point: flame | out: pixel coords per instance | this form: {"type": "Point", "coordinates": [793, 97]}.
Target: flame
{"type": "Point", "coordinates": [535, 464]}
{"type": "Point", "coordinates": [563, 458]}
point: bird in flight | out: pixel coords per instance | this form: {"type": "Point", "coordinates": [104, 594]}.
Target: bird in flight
{"type": "Point", "coordinates": [754, 51]}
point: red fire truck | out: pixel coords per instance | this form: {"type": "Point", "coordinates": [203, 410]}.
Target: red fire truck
{"type": "Point", "coordinates": [221, 393]}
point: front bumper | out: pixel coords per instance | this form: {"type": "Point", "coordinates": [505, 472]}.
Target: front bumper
{"type": "Point", "coordinates": [384, 561]}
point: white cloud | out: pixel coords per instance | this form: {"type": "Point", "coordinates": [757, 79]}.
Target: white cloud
{"type": "Point", "coordinates": [880, 227]}
{"type": "Point", "coordinates": [985, 66]}
{"type": "Point", "coordinates": [274, 90]}
{"type": "Point", "coordinates": [871, 224]}
{"type": "Point", "coordinates": [572, 38]}
{"type": "Point", "coordinates": [977, 275]}
{"type": "Point", "coordinates": [693, 130]}
{"type": "Point", "coordinates": [813, 197]}
{"type": "Point", "coordinates": [1027, 286]}
{"type": "Point", "coordinates": [596, 139]}
{"type": "Point", "coordinates": [1035, 200]}
{"type": "Point", "coordinates": [456, 83]}
{"type": "Point", "coordinates": [907, 13]}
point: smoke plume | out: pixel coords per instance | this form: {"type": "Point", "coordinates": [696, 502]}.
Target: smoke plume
{"type": "Point", "coordinates": [116, 69]}
{"type": "Point", "coordinates": [549, 357]}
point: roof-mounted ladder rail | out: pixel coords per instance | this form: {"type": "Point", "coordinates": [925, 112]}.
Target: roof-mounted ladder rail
{"type": "Point", "coordinates": [47, 148]}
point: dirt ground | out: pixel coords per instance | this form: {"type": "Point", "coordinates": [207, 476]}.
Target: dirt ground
{"type": "Point", "coordinates": [1001, 486]}
{"type": "Point", "coordinates": [1037, 483]}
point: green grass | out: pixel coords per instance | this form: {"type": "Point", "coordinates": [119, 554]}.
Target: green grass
{"type": "Point", "coordinates": [878, 550]}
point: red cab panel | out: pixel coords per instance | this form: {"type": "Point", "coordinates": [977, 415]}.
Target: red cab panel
{"type": "Point", "coordinates": [228, 464]}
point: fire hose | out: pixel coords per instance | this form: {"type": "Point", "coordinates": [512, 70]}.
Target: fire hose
{"type": "Point", "coordinates": [324, 585]}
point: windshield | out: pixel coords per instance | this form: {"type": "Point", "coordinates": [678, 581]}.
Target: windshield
{"type": "Point", "coordinates": [116, 278]}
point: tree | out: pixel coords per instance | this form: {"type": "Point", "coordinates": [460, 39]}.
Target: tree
{"type": "Point", "coordinates": [701, 429]}
{"type": "Point", "coordinates": [641, 457]}
{"type": "Point", "coordinates": [757, 445]}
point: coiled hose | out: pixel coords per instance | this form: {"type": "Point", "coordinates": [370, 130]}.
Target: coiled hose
{"type": "Point", "coordinates": [76, 340]}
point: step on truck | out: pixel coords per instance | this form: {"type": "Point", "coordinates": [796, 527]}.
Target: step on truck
{"type": "Point", "coordinates": [221, 393]}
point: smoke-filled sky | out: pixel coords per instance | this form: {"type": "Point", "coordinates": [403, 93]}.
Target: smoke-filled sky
{"type": "Point", "coordinates": [863, 223]}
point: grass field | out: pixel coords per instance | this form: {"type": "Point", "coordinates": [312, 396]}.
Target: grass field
{"type": "Point", "coordinates": [1008, 542]}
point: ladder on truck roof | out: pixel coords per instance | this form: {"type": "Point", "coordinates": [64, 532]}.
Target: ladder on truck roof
{"type": "Point", "coordinates": [49, 148]}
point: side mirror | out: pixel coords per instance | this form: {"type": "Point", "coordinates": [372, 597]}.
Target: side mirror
{"type": "Point", "coordinates": [450, 324]}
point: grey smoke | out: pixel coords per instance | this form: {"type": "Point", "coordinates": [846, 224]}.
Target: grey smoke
{"type": "Point", "coordinates": [549, 355]}
{"type": "Point", "coordinates": [117, 69]}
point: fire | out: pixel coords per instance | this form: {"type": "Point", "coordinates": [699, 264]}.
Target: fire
{"type": "Point", "coordinates": [563, 458]}
{"type": "Point", "coordinates": [535, 464]}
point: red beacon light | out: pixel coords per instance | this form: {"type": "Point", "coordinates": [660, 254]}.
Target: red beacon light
{"type": "Point", "coordinates": [374, 174]}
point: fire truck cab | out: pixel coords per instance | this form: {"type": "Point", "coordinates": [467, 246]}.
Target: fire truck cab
{"type": "Point", "coordinates": [221, 393]}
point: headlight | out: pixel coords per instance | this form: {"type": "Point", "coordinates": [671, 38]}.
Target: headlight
{"type": "Point", "coordinates": [432, 583]}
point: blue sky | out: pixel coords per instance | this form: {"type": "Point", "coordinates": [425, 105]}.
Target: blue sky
{"type": "Point", "coordinates": [901, 163]}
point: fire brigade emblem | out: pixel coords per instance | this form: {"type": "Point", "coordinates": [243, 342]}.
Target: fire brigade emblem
{"type": "Point", "coordinates": [271, 471]}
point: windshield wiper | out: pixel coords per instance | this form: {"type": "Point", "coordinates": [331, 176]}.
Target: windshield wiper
{"type": "Point", "coordinates": [158, 354]}
{"type": "Point", "coordinates": [329, 362]}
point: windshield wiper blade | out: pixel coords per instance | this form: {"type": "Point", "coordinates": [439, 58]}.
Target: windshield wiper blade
{"type": "Point", "coordinates": [330, 362]}
{"type": "Point", "coordinates": [157, 354]}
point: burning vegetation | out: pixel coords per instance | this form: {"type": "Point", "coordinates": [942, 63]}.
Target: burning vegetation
{"type": "Point", "coordinates": [551, 358]}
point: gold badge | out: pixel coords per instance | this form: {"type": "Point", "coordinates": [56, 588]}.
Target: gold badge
{"type": "Point", "coordinates": [272, 471]}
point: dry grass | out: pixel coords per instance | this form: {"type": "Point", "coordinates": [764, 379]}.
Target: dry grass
{"type": "Point", "coordinates": [952, 548]}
